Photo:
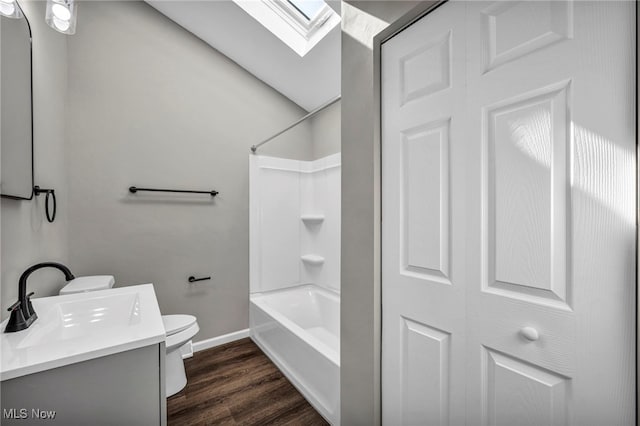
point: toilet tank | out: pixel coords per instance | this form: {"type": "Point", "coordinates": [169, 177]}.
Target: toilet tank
{"type": "Point", "coordinates": [90, 283]}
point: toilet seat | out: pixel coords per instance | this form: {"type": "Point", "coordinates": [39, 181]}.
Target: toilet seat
{"type": "Point", "coordinates": [179, 329]}
{"type": "Point", "coordinates": [174, 324]}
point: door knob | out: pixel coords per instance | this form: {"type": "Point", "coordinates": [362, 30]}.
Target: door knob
{"type": "Point", "coordinates": [530, 333]}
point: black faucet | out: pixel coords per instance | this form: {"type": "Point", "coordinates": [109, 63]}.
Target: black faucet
{"type": "Point", "coordinates": [22, 313]}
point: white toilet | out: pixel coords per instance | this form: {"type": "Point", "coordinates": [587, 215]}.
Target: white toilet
{"type": "Point", "coordinates": [179, 329]}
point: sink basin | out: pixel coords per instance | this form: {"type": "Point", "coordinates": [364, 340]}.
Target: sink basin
{"type": "Point", "coordinates": [78, 318]}
{"type": "Point", "coordinates": [78, 327]}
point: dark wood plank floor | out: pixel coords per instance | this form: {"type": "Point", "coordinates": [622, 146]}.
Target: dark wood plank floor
{"type": "Point", "coordinates": [236, 384]}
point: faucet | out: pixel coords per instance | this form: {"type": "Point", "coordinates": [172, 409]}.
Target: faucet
{"type": "Point", "coordinates": [22, 313]}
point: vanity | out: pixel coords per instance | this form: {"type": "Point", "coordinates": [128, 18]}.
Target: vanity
{"type": "Point", "coordinates": [90, 358]}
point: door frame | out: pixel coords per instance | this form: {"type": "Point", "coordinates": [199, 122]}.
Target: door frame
{"type": "Point", "coordinates": [396, 27]}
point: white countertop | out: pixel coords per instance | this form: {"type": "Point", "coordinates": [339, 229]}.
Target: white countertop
{"type": "Point", "coordinates": [83, 326]}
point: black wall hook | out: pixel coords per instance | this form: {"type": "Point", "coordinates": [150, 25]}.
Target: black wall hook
{"type": "Point", "coordinates": [50, 193]}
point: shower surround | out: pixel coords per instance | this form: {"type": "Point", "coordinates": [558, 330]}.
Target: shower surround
{"type": "Point", "coordinates": [295, 273]}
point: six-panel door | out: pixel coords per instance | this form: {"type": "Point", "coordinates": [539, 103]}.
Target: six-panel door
{"type": "Point", "coordinates": [508, 155]}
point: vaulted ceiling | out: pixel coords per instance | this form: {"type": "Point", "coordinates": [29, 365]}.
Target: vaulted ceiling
{"type": "Point", "coordinates": [308, 81]}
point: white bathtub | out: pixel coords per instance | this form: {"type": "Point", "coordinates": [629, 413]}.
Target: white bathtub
{"type": "Point", "coordinates": [299, 329]}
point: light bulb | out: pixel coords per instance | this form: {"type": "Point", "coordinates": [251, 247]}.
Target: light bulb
{"type": "Point", "coordinates": [7, 9]}
{"type": "Point", "coordinates": [61, 12]}
{"type": "Point", "coordinates": [60, 24]}
{"type": "Point", "coordinates": [61, 15]}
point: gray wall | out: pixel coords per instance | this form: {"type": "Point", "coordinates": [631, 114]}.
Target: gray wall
{"type": "Point", "coordinates": [322, 133]}
{"type": "Point", "coordinates": [27, 237]}
{"type": "Point", "coordinates": [325, 131]}
{"type": "Point", "coordinates": [152, 105]}
{"type": "Point", "coordinates": [360, 297]}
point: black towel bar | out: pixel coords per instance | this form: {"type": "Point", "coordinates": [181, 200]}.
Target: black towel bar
{"type": "Point", "coordinates": [134, 189]}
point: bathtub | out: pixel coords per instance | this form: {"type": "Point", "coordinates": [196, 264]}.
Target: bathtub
{"type": "Point", "coordinates": [299, 330]}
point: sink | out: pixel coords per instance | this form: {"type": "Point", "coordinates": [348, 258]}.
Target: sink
{"type": "Point", "coordinates": [78, 318]}
{"type": "Point", "coordinates": [77, 327]}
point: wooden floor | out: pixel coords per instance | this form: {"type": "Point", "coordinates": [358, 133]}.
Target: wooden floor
{"type": "Point", "coordinates": [236, 384]}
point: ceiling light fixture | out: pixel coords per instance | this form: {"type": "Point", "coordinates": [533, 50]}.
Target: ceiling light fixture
{"type": "Point", "coordinates": [10, 9]}
{"type": "Point", "coordinates": [61, 15]}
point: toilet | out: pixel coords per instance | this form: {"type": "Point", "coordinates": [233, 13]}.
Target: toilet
{"type": "Point", "coordinates": [179, 329]}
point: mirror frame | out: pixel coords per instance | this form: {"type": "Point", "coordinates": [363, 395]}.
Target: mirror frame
{"type": "Point", "coordinates": [18, 197]}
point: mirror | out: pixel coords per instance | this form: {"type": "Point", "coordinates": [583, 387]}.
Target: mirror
{"type": "Point", "coordinates": [16, 121]}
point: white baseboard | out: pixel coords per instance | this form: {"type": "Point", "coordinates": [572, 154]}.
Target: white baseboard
{"type": "Point", "coordinates": [220, 340]}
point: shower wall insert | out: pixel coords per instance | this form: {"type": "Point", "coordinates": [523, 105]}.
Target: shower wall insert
{"type": "Point", "coordinates": [295, 273]}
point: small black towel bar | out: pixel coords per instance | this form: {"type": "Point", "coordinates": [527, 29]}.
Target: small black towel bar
{"type": "Point", "coordinates": [134, 189]}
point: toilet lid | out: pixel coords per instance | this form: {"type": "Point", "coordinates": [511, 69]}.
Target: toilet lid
{"type": "Point", "coordinates": [176, 323]}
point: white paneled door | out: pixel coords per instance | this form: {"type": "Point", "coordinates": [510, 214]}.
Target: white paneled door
{"type": "Point", "coordinates": [509, 224]}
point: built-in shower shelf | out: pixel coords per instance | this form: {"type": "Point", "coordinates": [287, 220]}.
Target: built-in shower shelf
{"type": "Point", "coordinates": [312, 218]}
{"type": "Point", "coordinates": [312, 259]}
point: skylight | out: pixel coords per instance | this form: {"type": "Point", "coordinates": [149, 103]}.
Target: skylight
{"type": "Point", "coordinates": [300, 24]}
{"type": "Point", "coordinates": [309, 8]}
